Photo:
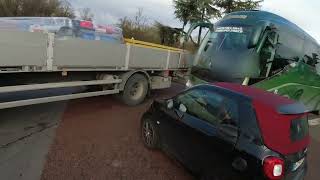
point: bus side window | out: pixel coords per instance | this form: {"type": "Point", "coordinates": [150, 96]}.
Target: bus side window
{"type": "Point", "coordinates": [317, 66]}
{"type": "Point", "coordinates": [311, 54]}
{"type": "Point", "coordinates": [288, 50]}
{"type": "Point", "coordinates": [290, 46]}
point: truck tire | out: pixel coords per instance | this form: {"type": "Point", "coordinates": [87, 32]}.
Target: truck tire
{"type": "Point", "coordinates": [135, 90]}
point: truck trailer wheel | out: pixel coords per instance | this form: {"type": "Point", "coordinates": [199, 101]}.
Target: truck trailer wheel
{"type": "Point", "coordinates": [135, 90]}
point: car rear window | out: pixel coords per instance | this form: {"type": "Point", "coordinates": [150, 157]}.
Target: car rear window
{"type": "Point", "coordinates": [299, 128]}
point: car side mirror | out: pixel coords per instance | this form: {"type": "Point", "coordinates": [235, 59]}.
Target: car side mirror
{"type": "Point", "coordinates": [182, 108]}
{"type": "Point", "coordinates": [180, 112]}
{"type": "Point", "coordinates": [170, 104]}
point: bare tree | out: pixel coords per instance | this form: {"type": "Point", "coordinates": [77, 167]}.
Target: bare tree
{"type": "Point", "coordinates": [139, 28]}
{"type": "Point", "coordinates": [140, 20]}
{"type": "Point", "coordinates": [86, 14]}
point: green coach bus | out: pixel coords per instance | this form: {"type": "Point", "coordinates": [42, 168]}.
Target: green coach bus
{"type": "Point", "coordinates": [261, 49]}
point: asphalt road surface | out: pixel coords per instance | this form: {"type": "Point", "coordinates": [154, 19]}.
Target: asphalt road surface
{"type": "Point", "coordinates": [26, 134]}
{"type": "Point", "coordinates": [97, 138]}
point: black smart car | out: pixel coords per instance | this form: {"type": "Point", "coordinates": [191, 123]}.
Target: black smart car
{"type": "Point", "coordinates": [229, 131]}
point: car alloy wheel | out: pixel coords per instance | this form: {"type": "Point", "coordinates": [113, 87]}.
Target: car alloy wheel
{"type": "Point", "coordinates": [149, 133]}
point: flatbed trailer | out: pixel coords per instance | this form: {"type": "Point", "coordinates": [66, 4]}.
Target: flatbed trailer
{"type": "Point", "coordinates": [32, 61]}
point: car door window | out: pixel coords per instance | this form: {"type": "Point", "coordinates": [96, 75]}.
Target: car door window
{"type": "Point", "coordinates": [197, 104]}
{"type": "Point", "coordinates": [210, 107]}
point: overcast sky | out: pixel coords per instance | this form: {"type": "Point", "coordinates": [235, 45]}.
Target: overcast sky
{"type": "Point", "coordinates": [304, 13]}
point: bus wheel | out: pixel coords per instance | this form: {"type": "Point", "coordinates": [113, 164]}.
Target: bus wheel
{"type": "Point", "coordinates": [135, 90]}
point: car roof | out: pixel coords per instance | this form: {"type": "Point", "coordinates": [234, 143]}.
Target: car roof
{"type": "Point", "coordinates": [255, 94]}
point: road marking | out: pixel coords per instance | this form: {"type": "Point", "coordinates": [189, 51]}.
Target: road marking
{"type": "Point", "coordinates": [314, 122]}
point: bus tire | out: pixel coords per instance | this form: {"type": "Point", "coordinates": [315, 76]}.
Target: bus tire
{"type": "Point", "coordinates": [135, 90]}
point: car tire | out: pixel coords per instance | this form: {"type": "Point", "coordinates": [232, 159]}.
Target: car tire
{"type": "Point", "coordinates": [135, 90]}
{"type": "Point", "coordinates": [149, 133]}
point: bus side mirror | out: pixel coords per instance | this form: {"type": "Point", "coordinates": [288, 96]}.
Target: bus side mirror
{"type": "Point", "coordinates": [255, 37]}
{"type": "Point", "coordinates": [199, 24]}
{"type": "Point", "coordinates": [210, 26]}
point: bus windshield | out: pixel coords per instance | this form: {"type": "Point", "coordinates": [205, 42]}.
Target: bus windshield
{"type": "Point", "coordinates": [226, 56]}
{"type": "Point", "coordinates": [229, 38]}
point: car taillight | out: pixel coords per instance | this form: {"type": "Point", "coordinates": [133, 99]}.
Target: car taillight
{"type": "Point", "coordinates": [273, 168]}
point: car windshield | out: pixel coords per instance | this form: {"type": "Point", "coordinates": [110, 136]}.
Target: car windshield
{"type": "Point", "coordinates": [229, 38]}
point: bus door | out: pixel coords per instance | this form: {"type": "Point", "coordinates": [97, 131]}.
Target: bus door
{"type": "Point", "coordinates": [267, 50]}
